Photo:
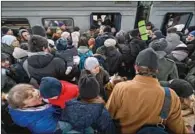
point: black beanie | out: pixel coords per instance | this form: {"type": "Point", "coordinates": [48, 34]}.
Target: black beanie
{"type": "Point", "coordinates": [39, 30]}
{"type": "Point", "coordinates": [89, 87]}
{"type": "Point", "coordinates": [50, 87]}
{"type": "Point", "coordinates": [4, 30]}
{"type": "Point", "coordinates": [182, 88]}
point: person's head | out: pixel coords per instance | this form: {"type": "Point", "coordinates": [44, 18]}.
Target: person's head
{"type": "Point", "coordinates": [157, 35]}
{"type": "Point", "coordinates": [65, 35]}
{"type": "Point", "coordinates": [107, 29]}
{"type": "Point", "coordinates": [189, 29]}
{"type": "Point", "coordinates": [24, 35]}
{"type": "Point", "coordinates": [180, 52]}
{"type": "Point", "coordinates": [91, 42]}
{"type": "Point", "coordinates": [5, 61]}
{"type": "Point", "coordinates": [171, 30]}
{"type": "Point", "coordinates": [89, 87]}
{"type": "Point", "coordinates": [92, 65]}
{"type": "Point", "coordinates": [147, 63]}
{"type": "Point", "coordinates": [191, 36]}
{"type": "Point", "coordinates": [10, 40]}
{"type": "Point", "coordinates": [121, 36]}
{"type": "Point", "coordinates": [38, 43]}
{"type": "Point", "coordinates": [159, 45]}
{"type": "Point", "coordinates": [76, 29]}
{"type": "Point", "coordinates": [149, 26]}
{"type": "Point", "coordinates": [24, 96]}
{"type": "Point", "coordinates": [61, 44]}
{"type": "Point", "coordinates": [134, 33]}
{"type": "Point", "coordinates": [50, 88]}
{"type": "Point", "coordinates": [183, 89]}
{"type": "Point", "coordinates": [62, 26]}
{"type": "Point", "coordinates": [110, 42]}
{"type": "Point", "coordinates": [6, 30]}
{"type": "Point", "coordinates": [39, 30]}
{"type": "Point", "coordinates": [83, 41]}
{"type": "Point", "coordinates": [24, 46]}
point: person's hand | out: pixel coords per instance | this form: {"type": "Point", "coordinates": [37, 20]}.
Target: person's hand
{"type": "Point", "coordinates": [68, 70]}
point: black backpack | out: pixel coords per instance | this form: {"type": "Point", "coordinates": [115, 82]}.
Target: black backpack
{"type": "Point", "coordinates": [160, 127]}
{"type": "Point", "coordinates": [18, 74]}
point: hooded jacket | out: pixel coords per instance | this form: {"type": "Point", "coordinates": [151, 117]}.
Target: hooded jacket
{"type": "Point", "coordinates": [173, 40]}
{"type": "Point", "coordinates": [191, 76]}
{"type": "Point", "coordinates": [191, 47]}
{"type": "Point", "coordinates": [68, 92]}
{"type": "Point", "coordinates": [44, 64]}
{"type": "Point", "coordinates": [82, 115]}
{"type": "Point", "coordinates": [39, 120]}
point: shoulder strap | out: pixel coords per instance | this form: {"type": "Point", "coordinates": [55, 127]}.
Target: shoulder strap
{"type": "Point", "coordinates": [167, 104]}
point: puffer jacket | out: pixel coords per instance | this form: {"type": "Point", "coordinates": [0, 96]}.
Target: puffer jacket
{"type": "Point", "coordinates": [82, 115]}
{"type": "Point", "coordinates": [44, 64]}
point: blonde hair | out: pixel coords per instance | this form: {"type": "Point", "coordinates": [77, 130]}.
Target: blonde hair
{"type": "Point", "coordinates": [18, 94]}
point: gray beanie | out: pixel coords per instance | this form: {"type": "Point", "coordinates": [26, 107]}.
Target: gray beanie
{"type": "Point", "coordinates": [159, 45]}
{"type": "Point", "coordinates": [148, 58]}
{"type": "Point", "coordinates": [22, 31]}
{"type": "Point", "coordinates": [91, 63]}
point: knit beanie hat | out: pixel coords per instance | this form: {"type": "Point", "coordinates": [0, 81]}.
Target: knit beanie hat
{"type": "Point", "coordinates": [159, 45]}
{"type": "Point", "coordinates": [4, 30]}
{"type": "Point", "coordinates": [39, 30]}
{"type": "Point", "coordinates": [91, 63]}
{"type": "Point", "coordinates": [8, 39]}
{"type": "Point", "coordinates": [181, 47]}
{"type": "Point", "coordinates": [192, 33]}
{"type": "Point", "coordinates": [89, 87]}
{"type": "Point", "coordinates": [180, 52]}
{"type": "Point", "coordinates": [148, 58]}
{"type": "Point", "coordinates": [61, 44]}
{"type": "Point", "coordinates": [158, 34]}
{"type": "Point", "coordinates": [50, 87]}
{"type": "Point", "coordinates": [110, 42]}
{"type": "Point", "coordinates": [181, 87]}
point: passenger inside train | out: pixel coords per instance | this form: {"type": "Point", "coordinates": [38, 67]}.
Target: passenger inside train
{"type": "Point", "coordinates": [59, 80]}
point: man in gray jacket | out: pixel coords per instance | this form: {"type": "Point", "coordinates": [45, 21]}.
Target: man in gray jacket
{"type": "Point", "coordinates": [167, 68]}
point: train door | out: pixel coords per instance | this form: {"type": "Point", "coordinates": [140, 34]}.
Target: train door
{"type": "Point", "coordinates": [112, 19]}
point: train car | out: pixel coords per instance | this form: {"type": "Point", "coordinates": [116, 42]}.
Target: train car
{"type": "Point", "coordinates": [123, 14]}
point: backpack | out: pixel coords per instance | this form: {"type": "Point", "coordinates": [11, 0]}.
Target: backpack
{"type": "Point", "coordinates": [83, 57]}
{"type": "Point", "coordinates": [160, 127]}
{"type": "Point", "coordinates": [18, 74]}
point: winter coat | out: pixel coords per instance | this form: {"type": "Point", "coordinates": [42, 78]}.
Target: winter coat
{"type": "Point", "coordinates": [167, 69]}
{"type": "Point", "coordinates": [44, 64]}
{"type": "Point", "coordinates": [99, 41]}
{"type": "Point", "coordinates": [39, 120]}
{"type": "Point", "coordinates": [113, 58]}
{"type": "Point", "coordinates": [182, 66]}
{"type": "Point", "coordinates": [138, 102]}
{"type": "Point", "coordinates": [173, 40]}
{"type": "Point", "coordinates": [82, 115]}
{"type": "Point", "coordinates": [102, 78]}
{"type": "Point", "coordinates": [191, 76]}
{"type": "Point", "coordinates": [191, 47]}
{"type": "Point", "coordinates": [69, 91]}
{"type": "Point", "coordinates": [136, 46]}
{"type": "Point", "coordinates": [67, 55]}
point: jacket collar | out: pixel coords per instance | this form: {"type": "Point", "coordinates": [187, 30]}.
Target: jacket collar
{"type": "Point", "coordinates": [146, 80]}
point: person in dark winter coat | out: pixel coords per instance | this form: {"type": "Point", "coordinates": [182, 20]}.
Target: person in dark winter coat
{"type": "Point", "coordinates": [191, 75]}
{"type": "Point", "coordinates": [99, 41]}
{"type": "Point", "coordinates": [180, 57]}
{"type": "Point", "coordinates": [88, 111]}
{"type": "Point", "coordinates": [41, 63]}
{"type": "Point", "coordinates": [167, 68]}
{"type": "Point", "coordinates": [113, 56]}
{"type": "Point", "coordinates": [191, 42]}
{"type": "Point", "coordinates": [57, 92]}
{"type": "Point", "coordinates": [92, 67]}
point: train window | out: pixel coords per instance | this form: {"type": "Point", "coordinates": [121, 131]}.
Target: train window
{"type": "Point", "coordinates": [112, 19]}
{"type": "Point", "coordinates": [172, 19]}
{"type": "Point", "coordinates": [15, 23]}
{"type": "Point", "coordinates": [54, 22]}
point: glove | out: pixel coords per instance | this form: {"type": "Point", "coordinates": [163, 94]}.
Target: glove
{"type": "Point", "coordinates": [68, 70]}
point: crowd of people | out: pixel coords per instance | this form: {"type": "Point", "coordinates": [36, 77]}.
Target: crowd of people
{"type": "Point", "coordinates": [99, 81]}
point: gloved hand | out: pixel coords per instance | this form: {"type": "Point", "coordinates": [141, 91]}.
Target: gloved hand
{"type": "Point", "coordinates": [68, 70]}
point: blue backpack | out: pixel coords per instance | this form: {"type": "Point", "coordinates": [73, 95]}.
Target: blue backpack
{"type": "Point", "coordinates": [160, 127]}
{"type": "Point", "coordinates": [83, 57]}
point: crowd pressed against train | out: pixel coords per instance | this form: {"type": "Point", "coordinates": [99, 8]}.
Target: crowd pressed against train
{"type": "Point", "coordinates": [56, 79]}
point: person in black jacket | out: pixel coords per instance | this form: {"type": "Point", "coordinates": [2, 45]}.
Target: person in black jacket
{"type": "Point", "coordinates": [42, 63]}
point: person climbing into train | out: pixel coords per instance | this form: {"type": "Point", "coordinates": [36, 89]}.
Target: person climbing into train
{"type": "Point", "coordinates": [137, 103]}
{"type": "Point", "coordinates": [191, 43]}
